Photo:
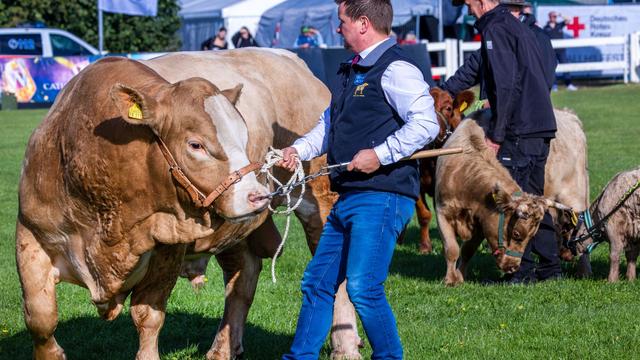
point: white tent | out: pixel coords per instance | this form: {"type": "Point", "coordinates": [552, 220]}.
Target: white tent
{"type": "Point", "coordinates": [201, 19]}
{"type": "Point", "coordinates": [246, 13]}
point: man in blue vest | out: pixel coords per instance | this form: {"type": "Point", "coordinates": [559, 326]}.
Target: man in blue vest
{"type": "Point", "coordinates": [382, 113]}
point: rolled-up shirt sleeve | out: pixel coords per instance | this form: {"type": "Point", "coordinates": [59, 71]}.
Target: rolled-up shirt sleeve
{"type": "Point", "coordinates": [314, 143]}
{"type": "Point", "coordinates": [408, 93]}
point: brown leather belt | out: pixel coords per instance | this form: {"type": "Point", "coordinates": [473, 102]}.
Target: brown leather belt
{"type": "Point", "coordinates": [197, 196]}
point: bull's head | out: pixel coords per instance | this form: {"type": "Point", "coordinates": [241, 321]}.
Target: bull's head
{"type": "Point", "coordinates": [206, 135]}
{"type": "Point", "coordinates": [522, 216]}
{"type": "Point", "coordinates": [450, 111]}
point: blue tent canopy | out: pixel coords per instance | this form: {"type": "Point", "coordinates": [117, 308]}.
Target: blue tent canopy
{"type": "Point", "coordinates": [280, 25]}
{"type": "Point", "coordinates": [201, 19]}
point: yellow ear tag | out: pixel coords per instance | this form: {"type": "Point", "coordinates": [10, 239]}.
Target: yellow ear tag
{"type": "Point", "coordinates": [463, 106]}
{"type": "Point", "coordinates": [135, 112]}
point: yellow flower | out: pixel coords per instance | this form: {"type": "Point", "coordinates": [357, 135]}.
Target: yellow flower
{"type": "Point", "coordinates": [520, 307]}
{"type": "Point", "coordinates": [206, 279]}
{"type": "Point", "coordinates": [503, 326]}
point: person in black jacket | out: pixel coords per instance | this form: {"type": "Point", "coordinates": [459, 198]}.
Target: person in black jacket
{"type": "Point", "coordinates": [514, 75]}
{"type": "Point", "coordinates": [243, 38]}
{"type": "Point", "coordinates": [555, 30]}
{"type": "Point", "coordinates": [468, 74]}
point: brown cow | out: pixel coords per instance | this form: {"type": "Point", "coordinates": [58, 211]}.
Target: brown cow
{"type": "Point", "coordinates": [99, 208]}
{"type": "Point", "coordinates": [473, 192]}
{"type": "Point", "coordinates": [450, 113]}
{"type": "Point", "coordinates": [622, 229]}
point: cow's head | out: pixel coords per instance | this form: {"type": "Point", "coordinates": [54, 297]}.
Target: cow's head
{"type": "Point", "coordinates": [206, 135]}
{"type": "Point", "coordinates": [576, 240]}
{"type": "Point", "coordinates": [450, 111]}
{"type": "Point", "coordinates": [522, 216]}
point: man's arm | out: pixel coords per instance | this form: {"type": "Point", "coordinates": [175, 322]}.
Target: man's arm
{"type": "Point", "coordinates": [407, 92]}
{"type": "Point", "coordinates": [468, 75]}
{"type": "Point", "coordinates": [311, 145]}
{"type": "Point", "coordinates": [503, 61]}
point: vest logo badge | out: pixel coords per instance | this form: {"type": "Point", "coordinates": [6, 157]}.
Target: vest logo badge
{"type": "Point", "coordinates": [360, 90]}
{"type": "Point", "coordinates": [358, 79]}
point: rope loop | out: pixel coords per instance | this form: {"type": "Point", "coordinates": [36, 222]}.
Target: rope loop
{"type": "Point", "coordinates": [297, 178]}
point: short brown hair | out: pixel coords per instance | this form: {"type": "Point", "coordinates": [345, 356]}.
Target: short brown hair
{"type": "Point", "coordinates": [379, 12]}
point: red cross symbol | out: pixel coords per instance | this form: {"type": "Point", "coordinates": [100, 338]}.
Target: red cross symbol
{"type": "Point", "coordinates": [575, 26]}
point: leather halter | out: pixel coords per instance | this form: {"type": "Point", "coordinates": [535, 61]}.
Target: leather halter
{"type": "Point", "coordinates": [447, 129]}
{"type": "Point", "coordinates": [198, 197]}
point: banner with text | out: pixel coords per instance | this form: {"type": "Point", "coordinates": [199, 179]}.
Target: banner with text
{"type": "Point", "coordinates": [594, 21]}
{"type": "Point", "coordinates": [38, 80]}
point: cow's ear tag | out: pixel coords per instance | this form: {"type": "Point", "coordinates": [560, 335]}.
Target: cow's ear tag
{"type": "Point", "coordinates": [463, 106]}
{"type": "Point", "coordinates": [135, 112]}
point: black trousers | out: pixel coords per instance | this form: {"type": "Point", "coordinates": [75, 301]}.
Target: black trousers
{"type": "Point", "coordinates": [525, 158]}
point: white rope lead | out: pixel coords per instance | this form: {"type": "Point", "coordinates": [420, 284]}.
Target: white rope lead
{"type": "Point", "coordinates": [272, 157]}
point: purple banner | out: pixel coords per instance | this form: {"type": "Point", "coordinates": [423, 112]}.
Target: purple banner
{"type": "Point", "coordinates": [38, 80]}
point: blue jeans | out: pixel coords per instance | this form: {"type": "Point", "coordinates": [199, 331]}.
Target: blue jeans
{"type": "Point", "coordinates": [357, 243]}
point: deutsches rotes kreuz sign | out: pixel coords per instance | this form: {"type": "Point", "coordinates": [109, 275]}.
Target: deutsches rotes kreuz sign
{"type": "Point", "coordinates": [594, 21]}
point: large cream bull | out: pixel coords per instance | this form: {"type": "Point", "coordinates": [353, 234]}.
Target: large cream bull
{"type": "Point", "coordinates": [100, 208]}
{"type": "Point", "coordinates": [280, 101]}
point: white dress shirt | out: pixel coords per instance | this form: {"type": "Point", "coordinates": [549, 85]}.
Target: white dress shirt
{"type": "Point", "coordinates": [406, 91]}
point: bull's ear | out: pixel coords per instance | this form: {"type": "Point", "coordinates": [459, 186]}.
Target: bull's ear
{"type": "Point", "coordinates": [134, 107]}
{"type": "Point", "coordinates": [435, 92]}
{"type": "Point", "coordinates": [501, 198]}
{"type": "Point", "coordinates": [233, 94]}
{"type": "Point", "coordinates": [463, 100]}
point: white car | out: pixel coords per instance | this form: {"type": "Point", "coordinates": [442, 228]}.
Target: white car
{"type": "Point", "coordinates": [42, 42]}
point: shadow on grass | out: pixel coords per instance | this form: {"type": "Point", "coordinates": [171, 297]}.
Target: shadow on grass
{"type": "Point", "coordinates": [407, 262]}
{"type": "Point", "coordinates": [93, 338]}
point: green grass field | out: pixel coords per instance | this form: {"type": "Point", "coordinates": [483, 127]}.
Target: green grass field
{"type": "Point", "coordinates": [568, 319]}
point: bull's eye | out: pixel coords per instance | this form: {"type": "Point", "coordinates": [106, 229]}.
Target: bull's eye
{"type": "Point", "coordinates": [449, 108]}
{"type": "Point", "coordinates": [196, 146]}
{"type": "Point", "coordinates": [516, 235]}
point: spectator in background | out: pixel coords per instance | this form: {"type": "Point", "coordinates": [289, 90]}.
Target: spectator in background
{"type": "Point", "coordinates": [307, 38]}
{"type": "Point", "coordinates": [243, 38]}
{"type": "Point", "coordinates": [554, 29]}
{"type": "Point", "coordinates": [317, 36]}
{"type": "Point", "coordinates": [410, 38]}
{"type": "Point", "coordinates": [218, 42]}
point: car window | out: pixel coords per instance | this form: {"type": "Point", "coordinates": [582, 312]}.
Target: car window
{"type": "Point", "coordinates": [21, 44]}
{"type": "Point", "coordinates": [64, 46]}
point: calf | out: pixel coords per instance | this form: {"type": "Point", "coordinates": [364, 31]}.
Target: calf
{"type": "Point", "coordinates": [622, 228]}
{"type": "Point", "coordinates": [476, 198]}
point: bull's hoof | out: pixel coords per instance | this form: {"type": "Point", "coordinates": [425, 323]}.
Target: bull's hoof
{"type": "Point", "coordinates": [53, 353]}
{"type": "Point", "coordinates": [454, 279]}
{"type": "Point", "coordinates": [198, 282]}
{"type": "Point", "coordinates": [223, 355]}
{"type": "Point", "coordinates": [147, 355]}
{"type": "Point", "coordinates": [344, 356]}
{"type": "Point", "coordinates": [425, 249]}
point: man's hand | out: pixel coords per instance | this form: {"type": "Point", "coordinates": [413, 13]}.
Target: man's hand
{"type": "Point", "coordinates": [365, 161]}
{"type": "Point", "coordinates": [289, 158]}
{"type": "Point", "coordinates": [493, 146]}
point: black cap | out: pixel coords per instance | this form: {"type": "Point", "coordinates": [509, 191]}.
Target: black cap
{"type": "Point", "coordinates": [457, 2]}
{"type": "Point", "coordinates": [515, 2]}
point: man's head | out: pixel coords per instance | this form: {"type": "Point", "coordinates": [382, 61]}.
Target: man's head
{"type": "Point", "coordinates": [477, 8]}
{"type": "Point", "coordinates": [364, 22]}
{"type": "Point", "coordinates": [516, 7]}
{"type": "Point", "coordinates": [553, 16]}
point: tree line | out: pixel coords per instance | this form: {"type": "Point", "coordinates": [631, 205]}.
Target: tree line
{"type": "Point", "coordinates": [122, 33]}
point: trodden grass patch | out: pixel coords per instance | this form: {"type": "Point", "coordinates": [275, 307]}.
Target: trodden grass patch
{"type": "Point", "coordinates": [568, 319]}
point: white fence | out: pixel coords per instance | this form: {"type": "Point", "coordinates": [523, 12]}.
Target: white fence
{"type": "Point", "coordinates": [630, 65]}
